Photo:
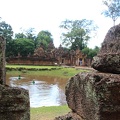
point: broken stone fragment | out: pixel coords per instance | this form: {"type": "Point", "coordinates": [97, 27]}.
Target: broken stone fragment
{"type": "Point", "coordinates": [107, 63]}
{"type": "Point", "coordinates": [108, 59]}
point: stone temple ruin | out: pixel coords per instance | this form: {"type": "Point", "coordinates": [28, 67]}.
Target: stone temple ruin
{"type": "Point", "coordinates": [14, 102]}
{"type": "Point", "coordinates": [52, 56]}
{"type": "Point", "coordinates": [96, 95]}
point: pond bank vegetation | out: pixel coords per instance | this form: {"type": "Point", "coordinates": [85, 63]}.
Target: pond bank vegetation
{"type": "Point", "coordinates": [45, 113]}
{"type": "Point", "coordinates": [55, 71]}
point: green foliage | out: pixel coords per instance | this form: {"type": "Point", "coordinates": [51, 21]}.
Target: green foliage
{"type": "Point", "coordinates": [6, 31]}
{"type": "Point", "coordinates": [86, 50]}
{"type": "Point", "coordinates": [77, 33]}
{"type": "Point", "coordinates": [20, 35]}
{"type": "Point", "coordinates": [113, 9]}
{"type": "Point", "coordinates": [10, 48]}
{"type": "Point", "coordinates": [30, 34]}
{"type": "Point", "coordinates": [91, 52]}
{"type": "Point", "coordinates": [43, 38]}
{"type": "Point", "coordinates": [23, 46]}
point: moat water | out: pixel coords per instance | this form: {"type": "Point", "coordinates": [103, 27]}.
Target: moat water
{"type": "Point", "coordinates": [43, 91]}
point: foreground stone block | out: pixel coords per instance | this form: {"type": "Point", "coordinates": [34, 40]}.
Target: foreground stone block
{"type": "Point", "coordinates": [14, 103]}
{"type": "Point", "coordinates": [94, 96]}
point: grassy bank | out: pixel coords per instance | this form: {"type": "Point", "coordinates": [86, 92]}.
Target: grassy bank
{"type": "Point", "coordinates": [48, 113]}
{"type": "Point", "coordinates": [30, 66]}
{"type": "Point", "coordinates": [61, 72]}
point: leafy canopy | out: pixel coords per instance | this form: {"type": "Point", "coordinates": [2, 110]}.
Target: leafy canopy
{"type": "Point", "coordinates": [113, 9]}
{"type": "Point", "coordinates": [77, 33]}
{"type": "Point", "coordinates": [6, 31]}
{"type": "Point", "coordinates": [29, 34]}
{"type": "Point", "coordinates": [91, 52]}
{"type": "Point", "coordinates": [43, 38]}
{"type": "Point", "coordinates": [23, 46]}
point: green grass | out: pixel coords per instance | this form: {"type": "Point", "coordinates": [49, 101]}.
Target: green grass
{"type": "Point", "coordinates": [30, 66]}
{"type": "Point", "coordinates": [63, 72]}
{"type": "Point", "coordinates": [48, 113]}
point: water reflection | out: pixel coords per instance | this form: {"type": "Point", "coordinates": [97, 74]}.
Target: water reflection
{"type": "Point", "coordinates": [42, 91]}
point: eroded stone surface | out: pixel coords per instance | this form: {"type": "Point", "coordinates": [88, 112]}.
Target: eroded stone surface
{"type": "Point", "coordinates": [107, 63]}
{"type": "Point", "coordinates": [108, 59]}
{"type": "Point", "coordinates": [14, 103]}
{"type": "Point", "coordinates": [2, 60]}
{"type": "Point", "coordinates": [94, 96]}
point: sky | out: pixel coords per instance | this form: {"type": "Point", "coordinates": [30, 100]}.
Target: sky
{"type": "Point", "coordinates": [48, 15]}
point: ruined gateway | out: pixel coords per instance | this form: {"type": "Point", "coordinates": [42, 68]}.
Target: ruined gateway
{"type": "Point", "coordinates": [96, 95]}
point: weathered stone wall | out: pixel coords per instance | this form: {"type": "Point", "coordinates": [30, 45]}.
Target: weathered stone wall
{"type": "Point", "coordinates": [14, 102]}
{"type": "Point", "coordinates": [2, 60]}
{"type": "Point", "coordinates": [50, 57]}
{"type": "Point", "coordinates": [31, 61]}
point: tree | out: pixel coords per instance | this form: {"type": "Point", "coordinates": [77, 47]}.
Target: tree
{"type": "Point", "coordinates": [113, 9]}
{"type": "Point", "coordinates": [30, 33]}
{"type": "Point", "coordinates": [10, 49]}
{"type": "Point", "coordinates": [43, 38]}
{"type": "Point", "coordinates": [6, 31]}
{"type": "Point", "coordinates": [77, 33]}
{"type": "Point", "coordinates": [23, 46]}
{"type": "Point", "coordinates": [20, 35]}
{"type": "Point", "coordinates": [91, 52]}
